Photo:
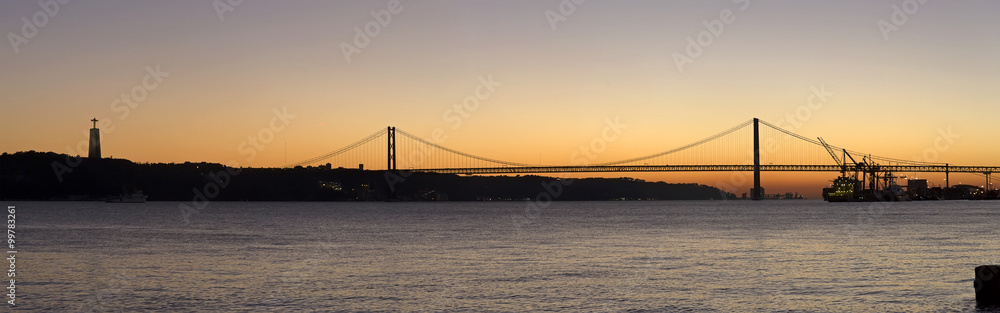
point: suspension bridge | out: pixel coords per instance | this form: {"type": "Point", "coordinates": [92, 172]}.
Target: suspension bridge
{"type": "Point", "coordinates": [737, 149]}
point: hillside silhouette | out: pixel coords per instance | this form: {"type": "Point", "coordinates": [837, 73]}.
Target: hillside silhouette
{"type": "Point", "coordinates": [50, 176]}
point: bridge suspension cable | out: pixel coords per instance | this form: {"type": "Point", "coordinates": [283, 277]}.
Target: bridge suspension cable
{"type": "Point", "coordinates": [878, 158]}
{"type": "Point", "coordinates": [456, 152]}
{"type": "Point", "coordinates": [780, 149]}
{"type": "Point", "coordinates": [682, 148]}
{"type": "Point", "coordinates": [337, 152]}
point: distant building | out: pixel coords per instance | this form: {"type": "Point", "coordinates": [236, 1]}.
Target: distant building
{"type": "Point", "coordinates": [917, 188]}
{"type": "Point", "coordinates": [331, 185]}
{"type": "Point", "coordinates": [793, 196]}
{"type": "Point", "coordinates": [963, 192]}
{"type": "Point", "coordinates": [95, 142]}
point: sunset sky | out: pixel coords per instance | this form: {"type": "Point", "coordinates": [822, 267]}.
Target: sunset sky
{"type": "Point", "coordinates": [897, 75]}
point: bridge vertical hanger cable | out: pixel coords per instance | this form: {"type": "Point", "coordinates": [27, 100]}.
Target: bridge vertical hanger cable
{"type": "Point", "coordinates": [341, 150]}
{"type": "Point", "coordinates": [468, 160]}
{"type": "Point", "coordinates": [875, 157]}
{"type": "Point", "coordinates": [675, 150]}
{"type": "Point", "coordinates": [782, 149]}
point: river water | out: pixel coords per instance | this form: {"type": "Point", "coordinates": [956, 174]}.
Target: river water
{"type": "Point", "coordinates": [643, 256]}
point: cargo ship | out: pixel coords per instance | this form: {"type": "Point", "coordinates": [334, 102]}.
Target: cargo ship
{"type": "Point", "coordinates": [842, 190]}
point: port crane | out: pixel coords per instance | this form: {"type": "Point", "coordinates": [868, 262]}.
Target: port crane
{"type": "Point", "coordinates": [871, 173]}
{"type": "Point", "coordinates": [842, 162]}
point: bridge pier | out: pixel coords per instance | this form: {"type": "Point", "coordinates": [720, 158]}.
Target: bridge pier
{"type": "Point", "coordinates": [947, 184]}
{"type": "Point", "coordinates": [986, 188]}
{"type": "Point", "coordinates": [756, 161]}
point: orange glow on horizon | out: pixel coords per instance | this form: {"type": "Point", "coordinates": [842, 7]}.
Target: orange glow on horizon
{"type": "Point", "coordinates": [204, 89]}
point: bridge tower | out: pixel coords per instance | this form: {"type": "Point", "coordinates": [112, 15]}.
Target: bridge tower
{"type": "Point", "coordinates": [756, 161]}
{"type": "Point", "coordinates": [391, 162]}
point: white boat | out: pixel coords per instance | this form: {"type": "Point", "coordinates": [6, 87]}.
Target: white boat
{"type": "Point", "coordinates": [135, 197]}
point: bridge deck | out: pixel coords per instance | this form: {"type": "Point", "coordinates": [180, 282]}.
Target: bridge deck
{"type": "Point", "coordinates": [706, 168]}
